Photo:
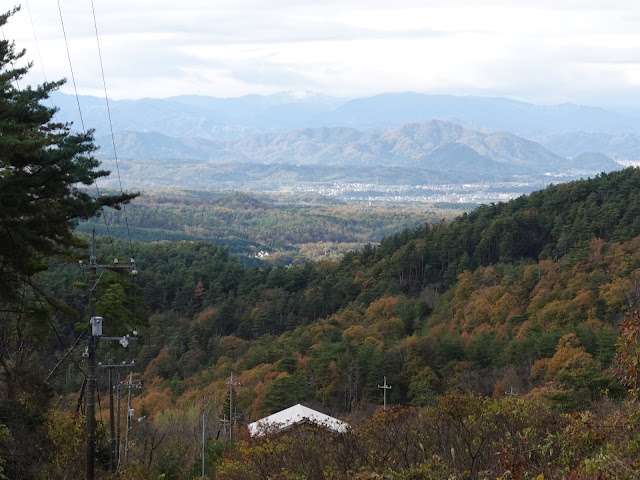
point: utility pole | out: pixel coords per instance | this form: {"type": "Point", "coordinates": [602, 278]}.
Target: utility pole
{"type": "Point", "coordinates": [94, 328]}
{"type": "Point", "coordinates": [231, 384]}
{"type": "Point", "coordinates": [119, 388]}
{"type": "Point", "coordinates": [204, 413]}
{"type": "Point", "coordinates": [118, 396]}
{"type": "Point", "coordinates": [385, 387]}
{"type": "Point", "coordinates": [129, 415]}
{"type": "Point", "coordinates": [114, 440]}
{"type": "Point", "coordinates": [129, 386]}
{"type": "Point", "coordinates": [94, 334]}
{"type": "Point", "coordinates": [224, 422]}
{"type": "Point", "coordinates": [205, 404]}
{"type": "Point", "coordinates": [113, 463]}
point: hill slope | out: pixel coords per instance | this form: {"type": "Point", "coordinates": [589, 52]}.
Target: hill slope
{"type": "Point", "coordinates": [522, 297]}
{"type": "Point", "coordinates": [465, 305]}
{"type": "Point", "coordinates": [429, 153]}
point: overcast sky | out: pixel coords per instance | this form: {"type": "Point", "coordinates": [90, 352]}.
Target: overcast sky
{"type": "Point", "coordinates": [542, 51]}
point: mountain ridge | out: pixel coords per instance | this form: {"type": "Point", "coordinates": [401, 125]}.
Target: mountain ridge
{"type": "Point", "coordinates": [433, 145]}
{"type": "Point", "coordinates": [218, 118]}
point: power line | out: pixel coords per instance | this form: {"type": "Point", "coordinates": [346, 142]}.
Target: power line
{"type": "Point", "coordinates": [37, 293]}
{"type": "Point", "coordinates": [65, 356]}
{"type": "Point", "coordinates": [91, 383]}
{"type": "Point", "coordinates": [95, 333]}
{"type": "Point", "coordinates": [73, 77]}
{"type": "Point", "coordinates": [113, 140]}
{"type": "Point", "coordinates": [35, 37]}
{"type": "Point", "coordinates": [75, 88]}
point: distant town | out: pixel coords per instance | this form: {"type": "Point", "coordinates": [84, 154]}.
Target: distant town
{"type": "Point", "coordinates": [480, 193]}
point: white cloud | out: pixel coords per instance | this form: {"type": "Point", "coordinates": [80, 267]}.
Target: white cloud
{"type": "Point", "coordinates": [542, 50]}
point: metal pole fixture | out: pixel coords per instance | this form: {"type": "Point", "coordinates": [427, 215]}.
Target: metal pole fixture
{"type": "Point", "coordinates": [231, 384]}
{"type": "Point", "coordinates": [385, 387]}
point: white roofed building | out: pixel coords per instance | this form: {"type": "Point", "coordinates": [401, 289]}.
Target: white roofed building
{"type": "Point", "coordinates": [293, 416]}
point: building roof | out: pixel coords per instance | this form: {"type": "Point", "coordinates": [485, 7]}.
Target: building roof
{"type": "Point", "coordinates": [294, 415]}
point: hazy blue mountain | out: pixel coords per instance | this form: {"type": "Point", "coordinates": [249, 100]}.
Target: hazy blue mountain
{"type": "Point", "coordinates": [220, 118]}
{"type": "Point", "coordinates": [394, 146]}
{"type": "Point", "coordinates": [592, 161]}
{"type": "Point", "coordinates": [625, 146]}
{"type": "Point", "coordinates": [414, 140]}
{"type": "Point", "coordinates": [426, 151]}
{"type": "Point", "coordinates": [422, 145]}
{"type": "Point", "coordinates": [480, 113]}
{"type": "Point", "coordinates": [196, 116]}
{"type": "Point", "coordinates": [150, 145]}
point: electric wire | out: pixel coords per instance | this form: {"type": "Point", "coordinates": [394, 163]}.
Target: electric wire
{"type": "Point", "coordinates": [26, 279]}
{"type": "Point", "coordinates": [35, 37]}
{"type": "Point", "coordinates": [37, 294]}
{"type": "Point", "coordinates": [101, 423]}
{"type": "Point", "coordinates": [115, 153]}
{"type": "Point", "coordinates": [75, 88]}
{"type": "Point", "coordinates": [73, 77]}
{"type": "Point", "coordinates": [35, 290]}
{"type": "Point", "coordinates": [113, 140]}
{"type": "Point", "coordinates": [69, 351]}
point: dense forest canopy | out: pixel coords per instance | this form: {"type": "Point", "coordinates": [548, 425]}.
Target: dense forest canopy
{"type": "Point", "coordinates": [510, 335]}
{"type": "Point", "coordinates": [267, 228]}
{"type": "Point", "coordinates": [524, 297]}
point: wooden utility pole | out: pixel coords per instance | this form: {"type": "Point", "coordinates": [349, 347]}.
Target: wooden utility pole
{"type": "Point", "coordinates": [204, 416]}
{"type": "Point", "coordinates": [231, 384]}
{"type": "Point", "coordinates": [91, 364]}
{"type": "Point", "coordinates": [205, 405]}
{"type": "Point", "coordinates": [129, 386]}
{"type": "Point", "coordinates": [114, 439]}
{"type": "Point", "coordinates": [113, 461]}
{"type": "Point", "coordinates": [118, 396]}
{"type": "Point", "coordinates": [119, 388]}
{"type": "Point", "coordinates": [385, 387]}
{"type": "Point", "coordinates": [94, 335]}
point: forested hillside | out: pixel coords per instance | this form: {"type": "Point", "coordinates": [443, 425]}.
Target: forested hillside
{"type": "Point", "coordinates": [289, 228]}
{"type": "Point", "coordinates": [523, 297]}
{"type": "Point", "coordinates": [507, 340]}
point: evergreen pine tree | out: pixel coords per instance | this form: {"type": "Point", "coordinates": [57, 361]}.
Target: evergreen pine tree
{"type": "Point", "coordinates": [43, 167]}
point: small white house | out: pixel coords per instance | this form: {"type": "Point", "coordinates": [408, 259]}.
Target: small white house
{"type": "Point", "coordinates": [293, 416]}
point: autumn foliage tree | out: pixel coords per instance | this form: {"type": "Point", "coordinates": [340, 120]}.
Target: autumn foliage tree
{"type": "Point", "coordinates": [573, 378]}
{"type": "Point", "coordinates": [627, 359]}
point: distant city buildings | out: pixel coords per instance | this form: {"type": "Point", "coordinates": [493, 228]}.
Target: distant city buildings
{"type": "Point", "coordinates": [480, 193]}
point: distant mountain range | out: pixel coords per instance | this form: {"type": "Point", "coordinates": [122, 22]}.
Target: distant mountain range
{"type": "Point", "coordinates": [218, 118]}
{"type": "Point", "coordinates": [416, 153]}
{"type": "Point", "coordinates": [623, 147]}
{"type": "Point", "coordinates": [390, 139]}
